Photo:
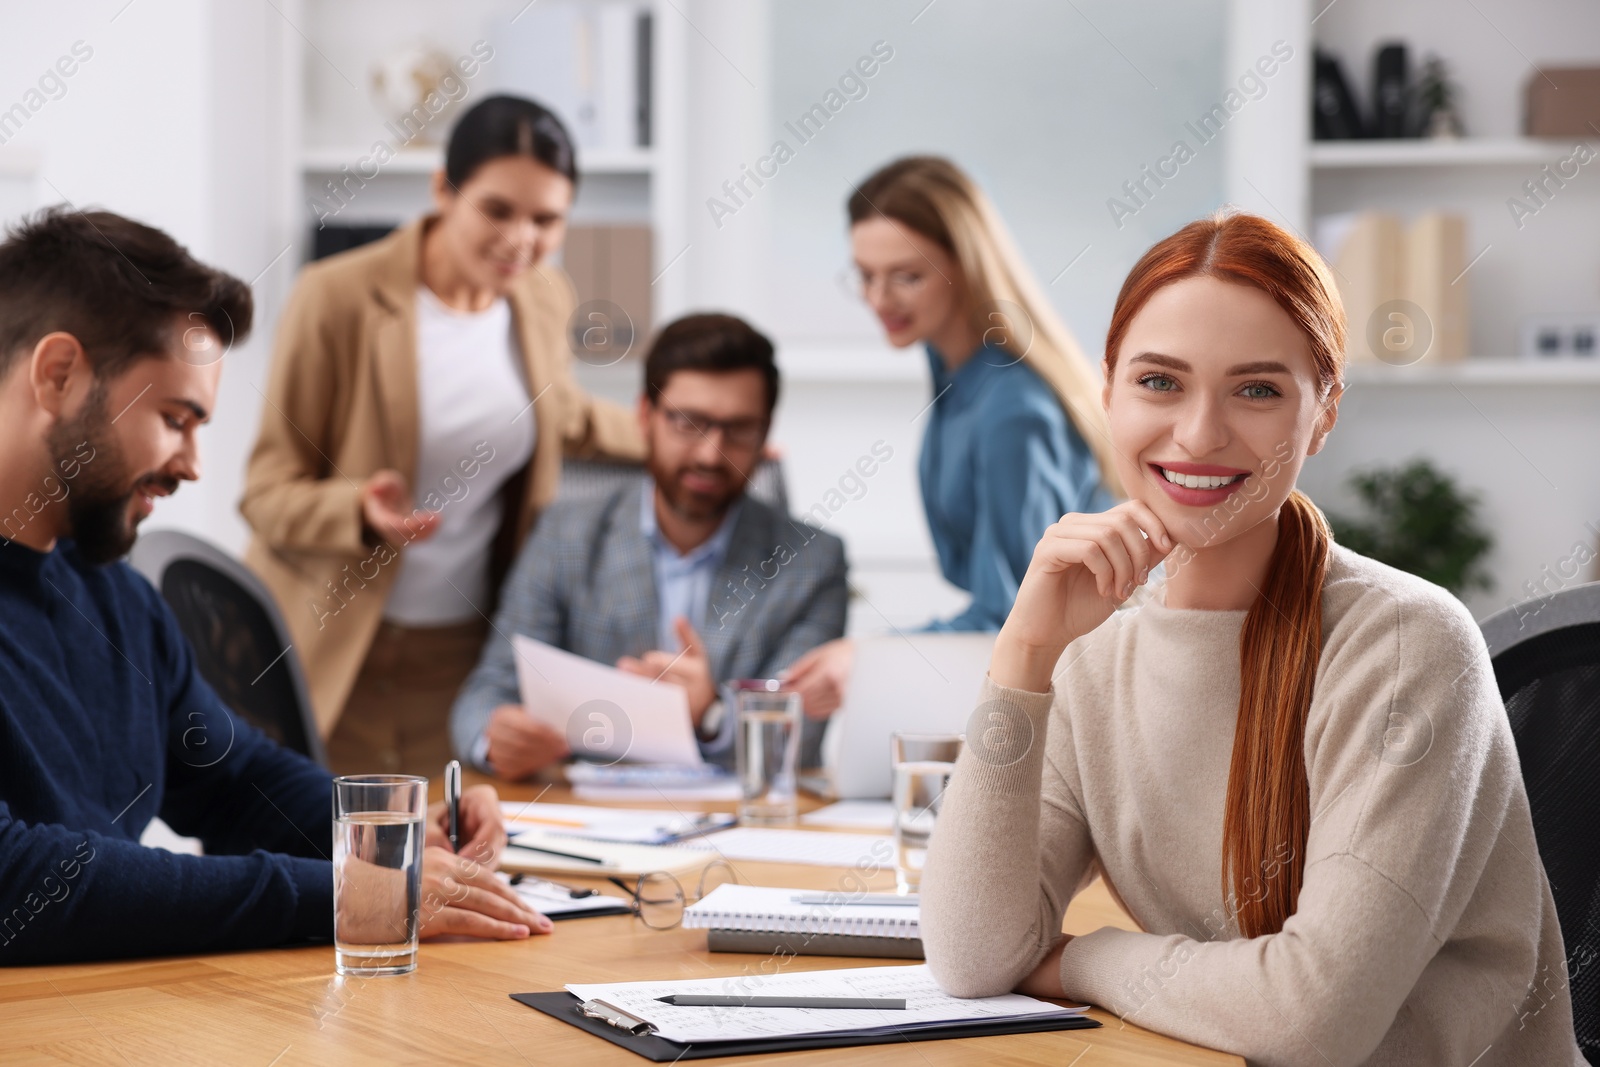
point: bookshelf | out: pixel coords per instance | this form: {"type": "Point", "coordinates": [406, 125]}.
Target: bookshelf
{"type": "Point", "coordinates": [1515, 432]}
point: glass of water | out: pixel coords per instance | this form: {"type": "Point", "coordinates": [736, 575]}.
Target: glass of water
{"type": "Point", "coordinates": [377, 872]}
{"type": "Point", "coordinates": [923, 764]}
{"type": "Point", "coordinates": [767, 745]}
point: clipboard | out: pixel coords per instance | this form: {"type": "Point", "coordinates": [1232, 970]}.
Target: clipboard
{"type": "Point", "coordinates": [564, 1006]}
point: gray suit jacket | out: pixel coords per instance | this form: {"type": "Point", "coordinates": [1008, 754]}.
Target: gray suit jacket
{"type": "Point", "coordinates": [584, 583]}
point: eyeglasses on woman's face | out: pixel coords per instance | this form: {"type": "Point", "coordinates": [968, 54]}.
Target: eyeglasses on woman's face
{"type": "Point", "coordinates": [896, 284]}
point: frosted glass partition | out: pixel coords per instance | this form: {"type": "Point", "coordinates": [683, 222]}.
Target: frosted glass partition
{"type": "Point", "coordinates": [1051, 106]}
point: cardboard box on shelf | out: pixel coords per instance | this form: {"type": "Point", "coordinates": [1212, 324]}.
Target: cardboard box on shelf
{"type": "Point", "coordinates": [1563, 102]}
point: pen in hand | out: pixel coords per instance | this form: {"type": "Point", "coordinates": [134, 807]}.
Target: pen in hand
{"type": "Point", "coordinates": [452, 802]}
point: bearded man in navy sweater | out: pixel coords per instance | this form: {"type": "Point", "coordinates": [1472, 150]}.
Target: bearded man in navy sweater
{"type": "Point", "coordinates": [111, 345]}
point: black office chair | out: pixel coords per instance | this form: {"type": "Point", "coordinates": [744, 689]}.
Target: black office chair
{"type": "Point", "coordinates": [241, 645]}
{"type": "Point", "coordinates": [585, 478]}
{"type": "Point", "coordinates": [1546, 656]}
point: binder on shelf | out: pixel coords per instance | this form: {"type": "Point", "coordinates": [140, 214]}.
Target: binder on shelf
{"type": "Point", "coordinates": [1334, 115]}
{"type": "Point", "coordinates": [589, 63]}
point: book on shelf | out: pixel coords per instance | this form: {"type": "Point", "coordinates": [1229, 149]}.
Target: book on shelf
{"type": "Point", "coordinates": [1380, 262]}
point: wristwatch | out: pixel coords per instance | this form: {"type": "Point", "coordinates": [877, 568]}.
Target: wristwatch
{"type": "Point", "coordinates": [711, 722]}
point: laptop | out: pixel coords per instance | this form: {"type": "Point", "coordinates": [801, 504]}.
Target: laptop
{"type": "Point", "coordinates": [914, 682]}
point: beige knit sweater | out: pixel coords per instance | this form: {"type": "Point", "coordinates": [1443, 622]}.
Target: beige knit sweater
{"type": "Point", "coordinates": [1424, 932]}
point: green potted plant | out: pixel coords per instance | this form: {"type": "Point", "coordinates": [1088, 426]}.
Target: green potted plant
{"type": "Point", "coordinates": [1417, 519]}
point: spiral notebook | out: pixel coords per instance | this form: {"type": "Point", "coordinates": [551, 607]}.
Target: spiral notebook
{"type": "Point", "coordinates": [761, 909]}
{"type": "Point", "coordinates": [747, 918]}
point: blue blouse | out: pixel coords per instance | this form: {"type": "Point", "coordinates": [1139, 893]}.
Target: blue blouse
{"type": "Point", "coordinates": [1000, 462]}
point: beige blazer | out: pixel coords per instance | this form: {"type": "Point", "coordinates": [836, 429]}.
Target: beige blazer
{"type": "Point", "coordinates": [341, 403]}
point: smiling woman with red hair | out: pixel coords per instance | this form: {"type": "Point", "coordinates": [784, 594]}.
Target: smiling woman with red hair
{"type": "Point", "coordinates": [1289, 762]}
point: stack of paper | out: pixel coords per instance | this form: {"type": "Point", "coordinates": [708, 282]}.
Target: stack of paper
{"type": "Point", "coordinates": [927, 1006]}
{"type": "Point", "coordinates": [651, 782]}
{"type": "Point", "coordinates": [623, 825]}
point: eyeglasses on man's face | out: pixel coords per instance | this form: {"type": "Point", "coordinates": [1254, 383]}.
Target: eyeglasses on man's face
{"type": "Point", "coordinates": [696, 425]}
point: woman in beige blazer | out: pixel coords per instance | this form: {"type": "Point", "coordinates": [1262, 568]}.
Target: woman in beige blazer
{"type": "Point", "coordinates": [419, 406]}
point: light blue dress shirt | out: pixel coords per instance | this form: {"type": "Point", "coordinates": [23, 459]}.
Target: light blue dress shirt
{"type": "Point", "coordinates": [683, 582]}
{"type": "Point", "coordinates": [1000, 462]}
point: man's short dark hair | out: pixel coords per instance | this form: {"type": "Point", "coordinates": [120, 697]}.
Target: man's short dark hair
{"type": "Point", "coordinates": [709, 342]}
{"type": "Point", "coordinates": [114, 284]}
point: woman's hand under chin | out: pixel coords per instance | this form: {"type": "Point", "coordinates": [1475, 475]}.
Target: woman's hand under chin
{"type": "Point", "coordinates": [1082, 569]}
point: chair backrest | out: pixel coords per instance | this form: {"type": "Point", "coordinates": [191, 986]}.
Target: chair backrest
{"type": "Point", "coordinates": [585, 478]}
{"type": "Point", "coordinates": [1546, 656]}
{"type": "Point", "coordinates": [241, 646]}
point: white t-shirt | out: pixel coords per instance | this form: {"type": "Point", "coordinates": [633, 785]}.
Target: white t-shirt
{"type": "Point", "coordinates": [476, 430]}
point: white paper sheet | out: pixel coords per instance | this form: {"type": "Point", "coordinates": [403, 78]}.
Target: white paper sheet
{"type": "Point", "coordinates": [605, 714]}
{"type": "Point", "coordinates": [800, 846]}
{"type": "Point", "coordinates": [926, 1004]}
{"type": "Point", "coordinates": [854, 814]}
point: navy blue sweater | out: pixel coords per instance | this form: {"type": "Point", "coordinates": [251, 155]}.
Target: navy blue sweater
{"type": "Point", "coordinates": [104, 724]}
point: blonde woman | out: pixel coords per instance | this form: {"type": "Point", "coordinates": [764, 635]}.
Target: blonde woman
{"type": "Point", "coordinates": [1014, 435]}
{"type": "Point", "coordinates": [1289, 762]}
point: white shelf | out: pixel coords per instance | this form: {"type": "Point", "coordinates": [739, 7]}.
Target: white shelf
{"type": "Point", "coordinates": [424, 161]}
{"type": "Point", "coordinates": [1467, 151]}
{"type": "Point", "coordinates": [813, 363]}
{"type": "Point", "coordinates": [1483, 371]}
{"type": "Point", "coordinates": [19, 161]}
{"type": "Point", "coordinates": [823, 363]}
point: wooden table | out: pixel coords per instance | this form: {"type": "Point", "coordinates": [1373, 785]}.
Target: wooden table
{"type": "Point", "coordinates": [286, 1006]}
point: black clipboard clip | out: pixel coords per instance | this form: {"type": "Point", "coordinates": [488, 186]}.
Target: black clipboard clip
{"type": "Point", "coordinates": [615, 1016]}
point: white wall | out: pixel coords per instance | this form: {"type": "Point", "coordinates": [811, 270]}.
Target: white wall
{"type": "Point", "coordinates": [175, 120]}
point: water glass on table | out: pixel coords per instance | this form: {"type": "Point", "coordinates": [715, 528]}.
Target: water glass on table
{"type": "Point", "coordinates": [766, 748]}
{"type": "Point", "coordinates": [923, 764]}
{"type": "Point", "coordinates": [377, 872]}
